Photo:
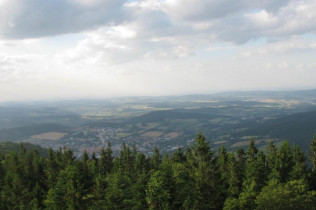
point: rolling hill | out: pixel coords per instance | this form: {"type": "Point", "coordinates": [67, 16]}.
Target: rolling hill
{"type": "Point", "coordinates": [297, 128]}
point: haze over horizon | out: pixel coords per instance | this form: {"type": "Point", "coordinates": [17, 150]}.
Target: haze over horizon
{"type": "Point", "coordinates": [68, 49]}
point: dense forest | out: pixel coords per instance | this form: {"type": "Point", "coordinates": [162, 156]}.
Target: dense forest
{"type": "Point", "coordinates": [197, 178]}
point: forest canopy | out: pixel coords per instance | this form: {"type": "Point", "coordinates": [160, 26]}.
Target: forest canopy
{"type": "Point", "coordinates": [197, 178]}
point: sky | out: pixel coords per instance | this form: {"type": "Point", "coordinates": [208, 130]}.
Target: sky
{"type": "Point", "coordinates": [73, 49]}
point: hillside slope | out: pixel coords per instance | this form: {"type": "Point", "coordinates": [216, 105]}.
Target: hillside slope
{"type": "Point", "coordinates": [296, 128]}
{"type": "Point", "coordinates": [8, 147]}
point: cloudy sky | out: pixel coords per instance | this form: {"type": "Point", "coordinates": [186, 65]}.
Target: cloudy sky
{"type": "Point", "coordinates": [57, 49]}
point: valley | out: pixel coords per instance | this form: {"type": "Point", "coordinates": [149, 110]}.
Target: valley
{"type": "Point", "coordinates": [169, 122]}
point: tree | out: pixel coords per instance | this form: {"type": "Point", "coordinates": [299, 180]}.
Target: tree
{"type": "Point", "coordinates": [222, 167]}
{"type": "Point", "coordinates": [312, 154]}
{"type": "Point", "coordinates": [284, 162]}
{"type": "Point", "coordinates": [157, 193]}
{"type": "Point", "coordinates": [106, 160]}
{"type": "Point", "coordinates": [155, 159]}
{"type": "Point", "coordinates": [69, 191]}
{"type": "Point", "coordinates": [203, 175]}
{"type": "Point", "coordinates": [299, 170]}
{"type": "Point", "coordinates": [254, 177]}
{"type": "Point", "coordinates": [312, 159]}
{"type": "Point", "coordinates": [271, 152]}
{"type": "Point", "coordinates": [119, 193]}
{"type": "Point", "coordinates": [283, 196]}
{"type": "Point", "coordinates": [161, 187]}
{"type": "Point", "coordinates": [234, 179]}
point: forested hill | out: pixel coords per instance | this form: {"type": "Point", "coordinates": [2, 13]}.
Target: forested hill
{"type": "Point", "coordinates": [194, 179]}
{"type": "Point", "coordinates": [20, 133]}
{"type": "Point", "coordinates": [296, 128]}
{"type": "Point", "coordinates": [9, 147]}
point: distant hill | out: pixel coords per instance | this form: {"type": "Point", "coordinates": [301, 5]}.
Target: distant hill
{"type": "Point", "coordinates": [295, 94]}
{"type": "Point", "coordinates": [297, 128]}
{"type": "Point", "coordinates": [160, 116]}
{"type": "Point", "coordinates": [8, 147]}
{"type": "Point", "coordinates": [20, 133]}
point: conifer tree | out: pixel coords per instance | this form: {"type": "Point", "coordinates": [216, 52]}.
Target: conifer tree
{"type": "Point", "coordinates": [178, 156]}
{"type": "Point", "coordinates": [299, 170]}
{"type": "Point", "coordinates": [119, 191]}
{"type": "Point", "coordinates": [223, 171]}
{"type": "Point", "coordinates": [155, 159]}
{"type": "Point", "coordinates": [69, 191]}
{"type": "Point", "coordinates": [234, 179]}
{"type": "Point", "coordinates": [312, 159]}
{"type": "Point", "coordinates": [106, 160]}
{"type": "Point", "coordinates": [312, 154]}
{"type": "Point", "coordinates": [161, 187]}
{"type": "Point", "coordinates": [252, 181]}
{"type": "Point", "coordinates": [203, 173]}
{"type": "Point", "coordinates": [271, 160]}
{"type": "Point", "coordinates": [284, 162]}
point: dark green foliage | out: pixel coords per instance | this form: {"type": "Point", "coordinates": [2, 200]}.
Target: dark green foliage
{"type": "Point", "coordinates": [7, 147]}
{"type": "Point", "coordinates": [196, 179]}
{"type": "Point", "coordinates": [106, 160]}
{"type": "Point", "coordinates": [312, 154]}
{"type": "Point", "coordinates": [297, 128]}
{"type": "Point", "coordinates": [284, 196]}
{"type": "Point", "coordinates": [16, 134]}
{"type": "Point", "coordinates": [284, 162]}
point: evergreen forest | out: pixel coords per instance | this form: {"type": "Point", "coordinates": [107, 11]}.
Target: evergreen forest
{"type": "Point", "coordinates": [197, 177]}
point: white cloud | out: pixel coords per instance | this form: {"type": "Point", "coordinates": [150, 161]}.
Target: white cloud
{"type": "Point", "coordinates": [155, 47]}
{"type": "Point", "coordinates": [37, 18]}
{"type": "Point", "coordinates": [197, 10]}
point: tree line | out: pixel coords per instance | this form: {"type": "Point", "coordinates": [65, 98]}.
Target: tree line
{"type": "Point", "coordinates": [197, 178]}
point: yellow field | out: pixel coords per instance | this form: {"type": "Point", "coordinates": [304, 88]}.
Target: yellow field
{"type": "Point", "coordinates": [220, 142]}
{"type": "Point", "coordinates": [173, 135]}
{"type": "Point", "coordinates": [152, 134]}
{"type": "Point", "coordinates": [50, 136]}
{"type": "Point", "coordinates": [245, 143]}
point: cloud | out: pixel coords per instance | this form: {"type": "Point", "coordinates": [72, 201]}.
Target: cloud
{"type": "Point", "coordinates": [201, 10]}
{"type": "Point", "coordinates": [293, 45]}
{"type": "Point", "coordinates": [12, 67]}
{"type": "Point", "coordinates": [296, 18]}
{"type": "Point", "coordinates": [36, 18]}
{"type": "Point", "coordinates": [176, 23]}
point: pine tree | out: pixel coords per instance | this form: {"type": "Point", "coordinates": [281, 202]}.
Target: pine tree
{"type": "Point", "coordinates": [234, 178]}
{"type": "Point", "coordinates": [161, 187]}
{"type": "Point", "coordinates": [271, 160]}
{"type": "Point", "coordinates": [106, 160]}
{"type": "Point", "coordinates": [203, 173]}
{"type": "Point", "coordinates": [312, 154]}
{"type": "Point", "coordinates": [253, 177]}
{"type": "Point", "coordinates": [312, 159]}
{"type": "Point", "coordinates": [155, 159]}
{"type": "Point", "coordinates": [69, 191]}
{"type": "Point", "coordinates": [284, 162]}
{"type": "Point", "coordinates": [119, 192]}
{"type": "Point", "coordinates": [223, 171]}
{"type": "Point", "coordinates": [178, 156]}
{"type": "Point", "coordinates": [299, 170]}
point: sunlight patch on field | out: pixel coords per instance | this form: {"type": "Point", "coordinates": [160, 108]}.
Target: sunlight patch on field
{"type": "Point", "coordinates": [50, 136]}
{"type": "Point", "coordinates": [122, 134]}
{"type": "Point", "coordinates": [245, 143]}
{"type": "Point", "coordinates": [173, 135]}
{"type": "Point", "coordinates": [220, 142]}
{"type": "Point", "coordinates": [152, 134]}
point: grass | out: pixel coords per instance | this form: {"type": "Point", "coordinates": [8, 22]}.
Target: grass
{"type": "Point", "coordinates": [152, 134]}
{"type": "Point", "coordinates": [122, 134]}
{"type": "Point", "coordinates": [50, 136]}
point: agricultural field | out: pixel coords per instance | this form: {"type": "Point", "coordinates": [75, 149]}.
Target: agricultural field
{"type": "Point", "coordinates": [229, 119]}
{"type": "Point", "coordinates": [49, 136]}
